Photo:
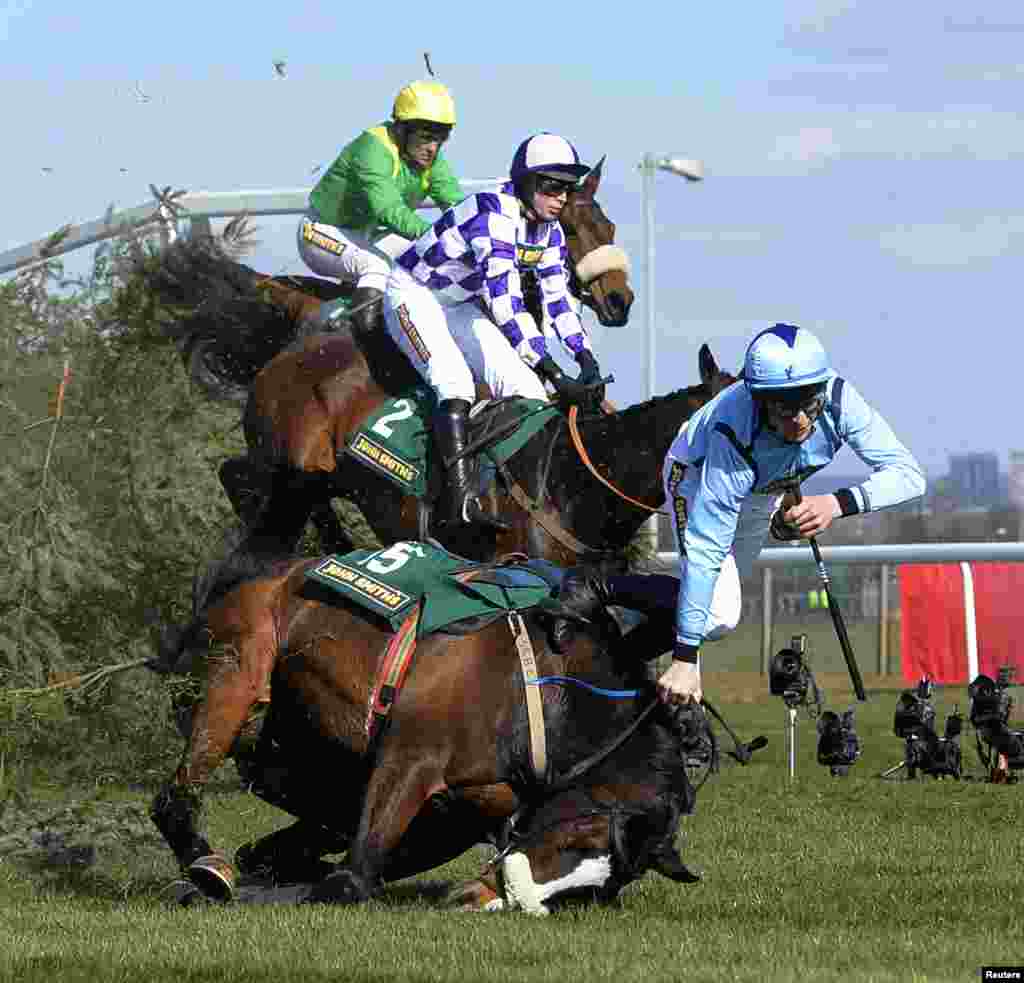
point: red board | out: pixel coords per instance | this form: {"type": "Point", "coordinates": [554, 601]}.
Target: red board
{"type": "Point", "coordinates": [999, 606]}
{"type": "Point", "coordinates": [934, 632]}
{"type": "Point", "coordinates": [934, 629]}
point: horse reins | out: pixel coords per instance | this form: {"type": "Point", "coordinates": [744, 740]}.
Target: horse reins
{"type": "Point", "coordinates": [577, 442]}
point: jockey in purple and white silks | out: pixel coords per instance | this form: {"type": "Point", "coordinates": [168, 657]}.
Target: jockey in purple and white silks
{"type": "Point", "coordinates": [454, 301]}
{"type": "Point", "coordinates": [723, 476]}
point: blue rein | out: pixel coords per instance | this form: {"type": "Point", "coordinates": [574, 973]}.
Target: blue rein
{"type": "Point", "coordinates": [612, 694]}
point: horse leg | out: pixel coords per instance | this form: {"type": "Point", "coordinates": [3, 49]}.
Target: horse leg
{"type": "Point", "coordinates": [291, 855]}
{"type": "Point", "coordinates": [395, 794]}
{"type": "Point", "coordinates": [333, 537]}
{"type": "Point", "coordinates": [246, 486]}
{"type": "Point", "coordinates": [282, 520]}
{"type": "Point", "coordinates": [218, 719]}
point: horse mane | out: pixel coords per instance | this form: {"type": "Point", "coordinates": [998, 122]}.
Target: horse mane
{"type": "Point", "coordinates": [233, 564]}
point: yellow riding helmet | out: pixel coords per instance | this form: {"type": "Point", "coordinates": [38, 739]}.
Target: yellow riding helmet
{"type": "Point", "coordinates": [429, 101]}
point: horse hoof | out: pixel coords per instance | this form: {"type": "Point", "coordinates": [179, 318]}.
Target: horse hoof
{"type": "Point", "coordinates": [214, 876]}
{"type": "Point", "coordinates": [341, 887]}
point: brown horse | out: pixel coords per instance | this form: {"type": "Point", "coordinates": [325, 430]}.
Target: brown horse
{"type": "Point", "coordinates": [454, 761]}
{"type": "Point", "coordinates": [230, 320]}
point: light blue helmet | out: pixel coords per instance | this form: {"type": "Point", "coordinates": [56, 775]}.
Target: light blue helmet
{"type": "Point", "coordinates": [785, 357]}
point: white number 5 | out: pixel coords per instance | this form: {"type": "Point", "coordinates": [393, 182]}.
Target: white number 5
{"type": "Point", "coordinates": [384, 561]}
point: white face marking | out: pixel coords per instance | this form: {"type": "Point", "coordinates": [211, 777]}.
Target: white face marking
{"type": "Point", "coordinates": [522, 891]}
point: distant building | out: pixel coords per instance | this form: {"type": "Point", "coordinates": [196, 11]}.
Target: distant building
{"type": "Point", "coordinates": [974, 479]}
{"type": "Point", "coordinates": [1015, 484]}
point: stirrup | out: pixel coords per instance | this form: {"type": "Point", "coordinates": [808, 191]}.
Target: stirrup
{"type": "Point", "coordinates": [474, 514]}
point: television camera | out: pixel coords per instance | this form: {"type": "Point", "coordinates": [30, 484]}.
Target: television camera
{"type": "Point", "coordinates": [1000, 749]}
{"type": "Point", "coordinates": [790, 677]}
{"type": "Point", "coordinates": [838, 743]}
{"type": "Point", "coordinates": [924, 751]}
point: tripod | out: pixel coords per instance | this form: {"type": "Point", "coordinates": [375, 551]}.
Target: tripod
{"type": "Point", "coordinates": [793, 701]}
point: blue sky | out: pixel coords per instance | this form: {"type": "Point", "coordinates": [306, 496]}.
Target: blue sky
{"type": "Point", "coordinates": [863, 158]}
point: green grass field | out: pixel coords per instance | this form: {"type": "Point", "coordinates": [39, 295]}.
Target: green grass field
{"type": "Point", "coordinates": [822, 878]}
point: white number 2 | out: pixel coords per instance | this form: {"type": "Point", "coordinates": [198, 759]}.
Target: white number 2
{"type": "Point", "coordinates": [385, 561]}
{"type": "Point", "coordinates": [403, 412]}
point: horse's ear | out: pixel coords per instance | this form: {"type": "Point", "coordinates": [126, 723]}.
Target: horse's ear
{"type": "Point", "coordinates": [708, 366]}
{"type": "Point", "coordinates": [593, 179]}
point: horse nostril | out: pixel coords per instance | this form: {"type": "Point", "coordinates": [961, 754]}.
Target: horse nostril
{"type": "Point", "coordinates": [616, 303]}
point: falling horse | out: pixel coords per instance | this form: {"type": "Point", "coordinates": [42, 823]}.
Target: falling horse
{"type": "Point", "coordinates": [518, 711]}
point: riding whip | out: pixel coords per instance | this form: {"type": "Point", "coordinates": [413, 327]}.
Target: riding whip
{"type": "Point", "coordinates": [833, 609]}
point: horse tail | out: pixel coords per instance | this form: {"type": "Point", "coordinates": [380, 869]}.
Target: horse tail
{"type": "Point", "coordinates": [218, 312]}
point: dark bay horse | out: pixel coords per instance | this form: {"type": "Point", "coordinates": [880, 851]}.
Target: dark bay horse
{"type": "Point", "coordinates": [454, 762]}
{"type": "Point", "coordinates": [305, 407]}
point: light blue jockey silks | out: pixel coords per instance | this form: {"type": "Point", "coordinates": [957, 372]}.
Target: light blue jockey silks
{"type": "Point", "coordinates": [476, 251]}
{"type": "Point", "coordinates": [730, 454]}
{"type": "Point", "coordinates": [785, 357]}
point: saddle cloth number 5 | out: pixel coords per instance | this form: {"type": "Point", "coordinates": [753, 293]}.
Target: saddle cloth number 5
{"type": "Point", "coordinates": [388, 560]}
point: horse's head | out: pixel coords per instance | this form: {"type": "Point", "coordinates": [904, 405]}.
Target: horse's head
{"type": "Point", "coordinates": [611, 825]}
{"type": "Point", "coordinates": [600, 269]}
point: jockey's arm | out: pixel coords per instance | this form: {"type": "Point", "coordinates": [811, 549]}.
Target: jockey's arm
{"type": "Point", "coordinates": [725, 481]}
{"type": "Point", "coordinates": [374, 171]}
{"type": "Point", "coordinates": [444, 189]}
{"type": "Point", "coordinates": [557, 308]}
{"type": "Point", "coordinates": [896, 476]}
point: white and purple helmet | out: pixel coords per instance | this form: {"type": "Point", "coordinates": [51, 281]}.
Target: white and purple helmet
{"type": "Point", "coordinates": [785, 357]}
{"type": "Point", "coordinates": [547, 155]}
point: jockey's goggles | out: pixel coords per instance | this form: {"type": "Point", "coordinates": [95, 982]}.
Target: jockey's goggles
{"type": "Point", "coordinates": [553, 187]}
{"type": "Point", "coordinates": [788, 404]}
{"type": "Point", "coordinates": [430, 132]}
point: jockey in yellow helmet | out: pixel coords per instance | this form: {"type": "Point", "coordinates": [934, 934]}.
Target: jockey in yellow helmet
{"type": "Point", "coordinates": [362, 211]}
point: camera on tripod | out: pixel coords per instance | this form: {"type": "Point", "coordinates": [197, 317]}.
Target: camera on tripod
{"type": "Point", "coordinates": [991, 704]}
{"type": "Point", "coordinates": [924, 750]}
{"type": "Point", "coordinates": [838, 743]}
{"type": "Point", "coordinates": [789, 675]}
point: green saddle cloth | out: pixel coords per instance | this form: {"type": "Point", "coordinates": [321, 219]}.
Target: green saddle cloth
{"type": "Point", "coordinates": [448, 588]}
{"type": "Point", "coordinates": [395, 440]}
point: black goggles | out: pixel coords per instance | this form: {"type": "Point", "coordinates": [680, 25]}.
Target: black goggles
{"type": "Point", "coordinates": [553, 187]}
{"type": "Point", "coordinates": [431, 133]}
{"type": "Point", "coordinates": [788, 404]}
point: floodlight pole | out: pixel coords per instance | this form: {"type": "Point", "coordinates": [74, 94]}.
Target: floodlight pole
{"type": "Point", "coordinates": [692, 170]}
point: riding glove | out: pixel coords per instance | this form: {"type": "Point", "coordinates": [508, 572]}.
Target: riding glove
{"type": "Point", "coordinates": [569, 391]}
{"type": "Point", "coordinates": [590, 373]}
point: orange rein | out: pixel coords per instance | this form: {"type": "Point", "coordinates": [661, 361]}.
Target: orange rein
{"type": "Point", "coordinates": [585, 458]}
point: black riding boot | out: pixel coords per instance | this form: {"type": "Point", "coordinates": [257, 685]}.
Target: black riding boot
{"type": "Point", "coordinates": [450, 433]}
{"type": "Point", "coordinates": [368, 313]}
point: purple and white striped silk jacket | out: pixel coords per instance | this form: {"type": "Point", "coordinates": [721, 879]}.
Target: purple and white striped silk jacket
{"type": "Point", "coordinates": [476, 251]}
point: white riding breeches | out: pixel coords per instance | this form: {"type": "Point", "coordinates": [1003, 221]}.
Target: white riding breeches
{"type": "Point", "coordinates": [751, 535]}
{"type": "Point", "coordinates": [346, 254]}
{"type": "Point", "coordinates": [454, 346]}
